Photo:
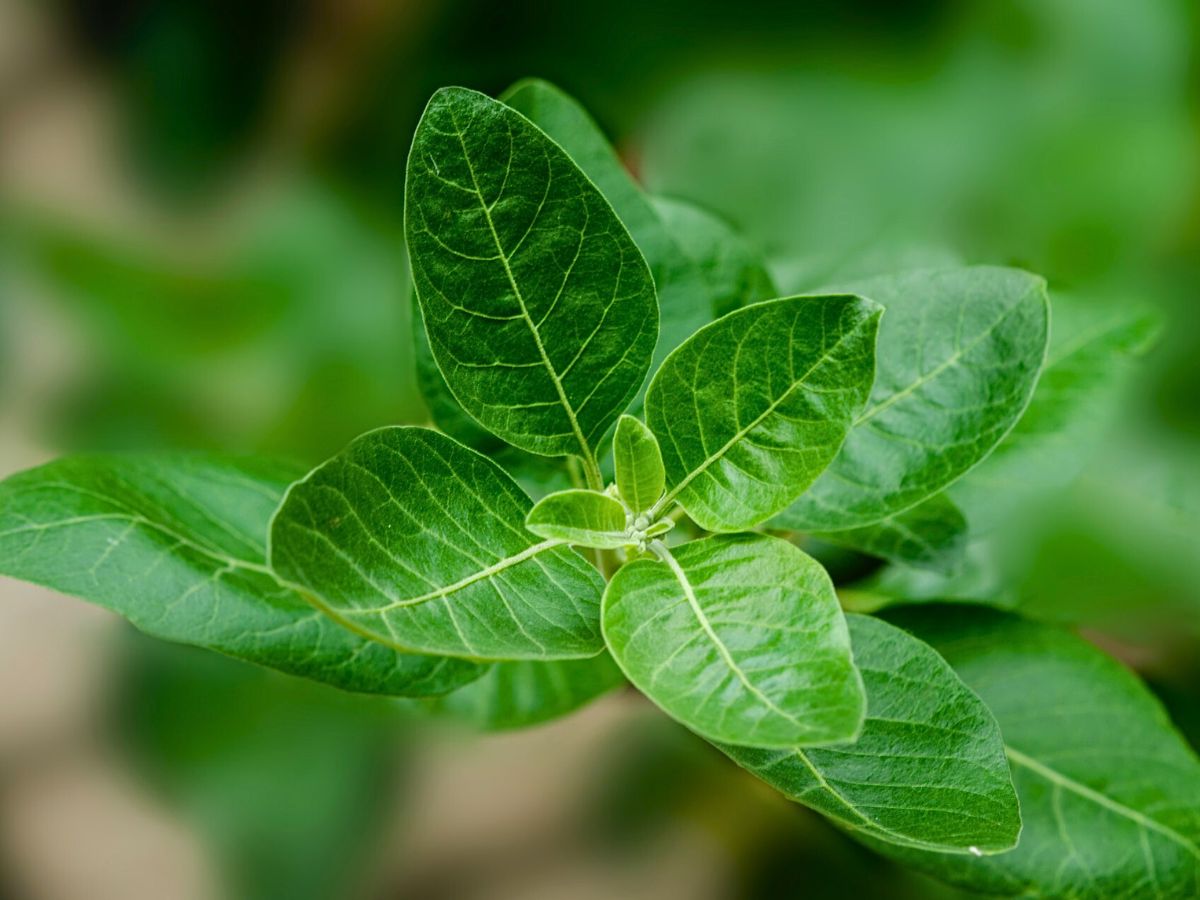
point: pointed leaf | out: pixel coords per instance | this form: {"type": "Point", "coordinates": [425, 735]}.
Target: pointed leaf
{"type": "Point", "coordinates": [1110, 793]}
{"type": "Point", "coordinates": [685, 299]}
{"type": "Point", "coordinates": [586, 518]}
{"type": "Point", "coordinates": [414, 540]}
{"type": "Point", "coordinates": [740, 638]}
{"type": "Point", "coordinates": [641, 478]}
{"type": "Point", "coordinates": [931, 535]}
{"type": "Point", "coordinates": [175, 544]}
{"type": "Point", "coordinates": [959, 355]}
{"type": "Point", "coordinates": [538, 305]}
{"type": "Point", "coordinates": [751, 409]}
{"type": "Point", "coordinates": [521, 694]}
{"type": "Point", "coordinates": [929, 768]}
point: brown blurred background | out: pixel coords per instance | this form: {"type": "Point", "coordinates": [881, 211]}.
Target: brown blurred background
{"type": "Point", "coordinates": [200, 246]}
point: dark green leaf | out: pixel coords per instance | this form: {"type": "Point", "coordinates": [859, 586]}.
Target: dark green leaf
{"type": "Point", "coordinates": [414, 540]}
{"type": "Point", "coordinates": [740, 638]}
{"type": "Point", "coordinates": [752, 408]}
{"type": "Point", "coordinates": [520, 694]}
{"type": "Point", "coordinates": [929, 768]}
{"type": "Point", "coordinates": [641, 478]}
{"type": "Point", "coordinates": [539, 307]}
{"type": "Point", "coordinates": [959, 355]}
{"type": "Point", "coordinates": [1110, 793]}
{"type": "Point", "coordinates": [175, 544]}
{"type": "Point", "coordinates": [931, 535]}
{"type": "Point", "coordinates": [586, 518]}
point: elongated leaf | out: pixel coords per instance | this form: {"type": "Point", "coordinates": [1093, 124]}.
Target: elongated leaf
{"type": "Point", "coordinates": [734, 271]}
{"type": "Point", "coordinates": [739, 637]}
{"type": "Point", "coordinates": [587, 518]}
{"type": "Point", "coordinates": [521, 694]}
{"type": "Point", "coordinates": [175, 544]}
{"type": "Point", "coordinates": [928, 770]}
{"type": "Point", "coordinates": [414, 540]}
{"type": "Point", "coordinates": [1092, 348]}
{"type": "Point", "coordinates": [539, 307]}
{"type": "Point", "coordinates": [641, 478]}
{"type": "Point", "coordinates": [752, 408]}
{"type": "Point", "coordinates": [685, 298]}
{"type": "Point", "coordinates": [1110, 793]}
{"type": "Point", "coordinates": [931, 535]}
{"type": "Point", "coordinates": [959, 355]}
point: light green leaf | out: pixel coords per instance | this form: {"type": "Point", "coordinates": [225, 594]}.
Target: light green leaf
{"type": "Point", "coordinates": [928, 770]}
{"type": "Point", "coordinates": [415, 541]}
{"type": "Point", "coordinates": [734, 272]}
{"type": "Point", "coordinates": [1110, 793]}
{"type": "Point", "coordinates": [684, 294]}
{"type": "Point", "coordinates": [1092, 347]}
{"type": "Point", "coordinates": [959, 355]}
{"type": "Point", "coordinates": [521, 694]}
{"type": "Point", "coordinates": [641, 478]}
{"type": "Point", "coordinates": [538, 305]}
{"type": "Point", "coordinates": [931, 535]}
{"type": "Point", "coordinates": [752, 408]}
{"type": "Point", "coordinates": [586, 518]}
{"type": "Point", "coordinates": [740, 638]}
{"type": "Point", "coordinates": [175, 544]}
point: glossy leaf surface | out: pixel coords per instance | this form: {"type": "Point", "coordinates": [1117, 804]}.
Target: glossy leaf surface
{"type": "Point", "coordinates": [929, 768]}
{"type": "Point", "coordinates": [740, 638]}
{"type": "Point", "coordinates": [412, 539]}
{"type": "Point", "coordinates": [175, 544]}
{"type": "Point", "coordinates": [959, 354]}
{"type": "Point", "coordinates": [752, 408]}
{"type": "Point", "coordinates": [1110, 793]}
{"type": "Point", "coordinates": [539, 307]}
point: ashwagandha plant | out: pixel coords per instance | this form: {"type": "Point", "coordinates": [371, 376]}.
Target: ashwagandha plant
{"type": "Point", "coordinates": [992, 751]}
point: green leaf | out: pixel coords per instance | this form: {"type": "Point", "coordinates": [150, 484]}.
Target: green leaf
{"type": "Point", "coordinates": [413, 540]}
{"type": "Point", "coordinates": [641, 478]}
{"type": "Point", "coordinates": [959, 355]}
{"type": "Point", "coordinates": [586, 518]}
{"type": "Point", "coordinates": [740, 638]}
{"type": "Point", "coordinates": [520, 694]}
{"type": "Point", "coordinates": [751, 409]}
{"type": "Point", "coordinates": [931, 535]}
{"type": "Point", "coordinates": [929, 768]}
{"type": "Point", "coordinates": [1092, 347]}
{"type": "Point", "coordinates": [684, 298]}
{"type": "Point", "coordinates": [733, 271]}
{"type": "Point", "coordinates": [174, 543]}
{"type": "Point", "coordinates": [444, 410]}
{"type": "Point", "coordinates": [1110, 793]}
{"type": "Point", "coordinates": [538, 305]}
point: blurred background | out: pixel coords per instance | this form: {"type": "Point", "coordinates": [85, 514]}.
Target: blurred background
{"type": "Point", "coordinates": [201, 246]}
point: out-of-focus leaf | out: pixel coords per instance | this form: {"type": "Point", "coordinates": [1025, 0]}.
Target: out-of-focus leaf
{"type": "Point", "coordinates": [931, 535]}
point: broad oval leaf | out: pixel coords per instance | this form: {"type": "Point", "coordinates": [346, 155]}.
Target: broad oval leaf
{"type": "Point", "coordinates": [412, 539]}
{"type": "Point", "coordinates": [520, 694]}
{"type": "Point", "coordinates": [175, 544]}
{"type": "Point", "coordinates": [928, 770]}
{"type": "Point", "coordinates": [641, 478]}
{"type": "Point", "coordinates": [931, 535]}
{"type": "Point", "coordinates": [752, 408]}
{"type": "Point", "coordinates": [739, 637]}
{"type": "Point", "coordinates": [539, 307]}
{"type": "Point", "coordinates": [1110, 793]}
{"type": "Point", "coordinates": [586, 518]}
{"type": "Point", "coordinates": [959, 354]}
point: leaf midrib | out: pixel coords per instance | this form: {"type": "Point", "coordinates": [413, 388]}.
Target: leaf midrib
{"type": "Point", "coordinates": [742, 432]}
{"type": "Point", "coordinates": [1082, 790]}
{"type": "Point", "coordinates": [585, 448]}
